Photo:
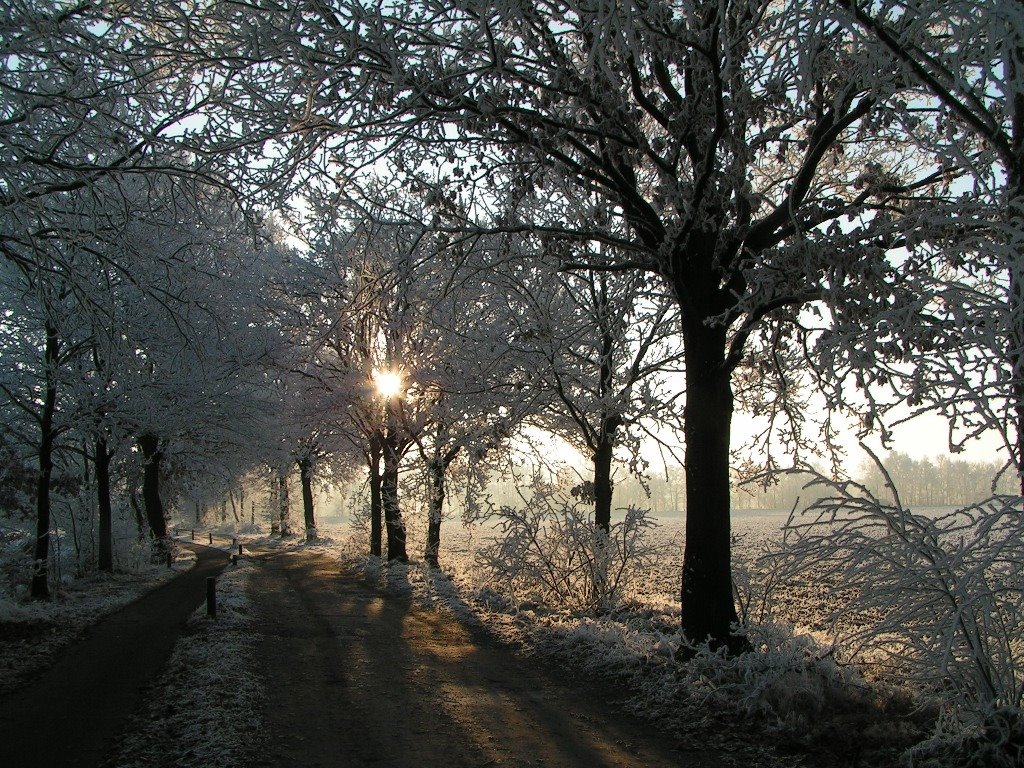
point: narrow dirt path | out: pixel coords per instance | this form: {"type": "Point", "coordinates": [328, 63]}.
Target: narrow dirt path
{"type": "Point", "coordinates": [358, 679]}
{"type": "Point", "coordinates": [71, 713]}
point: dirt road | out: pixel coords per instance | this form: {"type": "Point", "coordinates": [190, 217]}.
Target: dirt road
{"type": "Point", "coordinates": [358, 679]}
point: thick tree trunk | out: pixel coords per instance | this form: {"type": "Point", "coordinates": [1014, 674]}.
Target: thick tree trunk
{"type": "Point", "coordinates": [376, 503]}
{"type": "Point", "coordinates": [609, 422]}
{"type": "Point", "coordinates": [306, 476]}
{"type": "Point", "coordinates": [1015, 221]}
{"type": "Point", "coordinates": [283, 504]}
{"type": "Point", "coordinates": [275, 526]}
{"type": "Point", "coordinates": [436, 471]}
{"type": "Point", "coordinates": [708, 608]}
{"type": "Point", "coordinates": [154, 508]}
{"type": "Point", "coordinates": [393, 522]}
{"type": "Point", "coordinates": [40, 571]}
{"type": "Point", "coordinates": [603, 487]}
{"type": "Point", "coordinates": [140, 523]}
{"type": "Point", "coordinates": [106, 529]}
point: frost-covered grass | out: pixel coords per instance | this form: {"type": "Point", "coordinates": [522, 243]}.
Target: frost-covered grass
{"type": "Point", "coordinates": [204, 708]}
{"type": "Point", "coordinates": [32, 632]}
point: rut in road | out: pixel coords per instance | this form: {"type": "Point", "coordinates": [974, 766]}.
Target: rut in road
{"type": "Point", "coordinates": [356, 678]}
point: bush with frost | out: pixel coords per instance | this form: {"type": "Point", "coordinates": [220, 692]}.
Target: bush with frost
{"type": "Point", "coordinates": [550, 552]}
{"type": "Point", "coordinates": [934, 602]}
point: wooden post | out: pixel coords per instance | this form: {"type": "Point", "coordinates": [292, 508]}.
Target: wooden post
{"type": "Point", "coordinates": [239, 549]}
{"type": "Point", "coordinates": [170, 559]}
{"type": "Point", "coordinates": [193, 534]}
{"type": "Point", "coordinates": [211, 597]}
{"type": "Point", "coordinates": [234, 559]}
{"type": "Point", "coordinates": [211, 538]}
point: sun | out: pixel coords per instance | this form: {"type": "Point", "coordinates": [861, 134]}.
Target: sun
{"type": "Point", "coordinates": [388, 383]}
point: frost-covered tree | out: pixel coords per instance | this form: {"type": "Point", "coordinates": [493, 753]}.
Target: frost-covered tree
{"type": "Point", "coordinates": [717, 146]}
{"type": "Point", "coordinates": [353, 285]}
{"type": "Point", "coordinates": [474, 383]}
{"type": "Point", "coordinates": [965, 63]}
{"type": "Point", "coordinates": [605, 344]}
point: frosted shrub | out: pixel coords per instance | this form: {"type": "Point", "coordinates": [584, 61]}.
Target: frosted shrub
{"type": "Point", "coordinates": [551, 552]}
{"type": "Point", "coordinates": [939, 601]}
{"type": "Point", "coordinates": [787, 677]}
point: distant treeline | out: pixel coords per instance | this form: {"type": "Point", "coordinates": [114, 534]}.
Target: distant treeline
{"type": "Point", "coordinates": [938, 482]}
{"type": "Point", "coordinates": [924, 482]}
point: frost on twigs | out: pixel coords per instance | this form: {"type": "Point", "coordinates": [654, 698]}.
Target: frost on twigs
{"type": "Point", "coordinates": [933, 602]}
{"type": "Point", "coordinates": [551, 552]}
{"type": "Point", "coordinates": [786, 676]}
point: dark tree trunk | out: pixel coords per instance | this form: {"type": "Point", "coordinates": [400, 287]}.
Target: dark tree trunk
{"type": "Point", "coordinates": [275, 526]}
{"type": "Point", "coordinates": [393, 522]}
{"type": "Point", "coordinates": [436, 471]}
{"type": "Point", "coordinates": [154, 508]}
{"type": "Point", "coordinates": [609, 422]}
{"type": "Point", "coordinates": [603, 486]}
{"type": "Point", "coordinates": [40, 571]}
{"type": "Point", "coordinates": [708, 609]}
{"type": "Point", "coordinates": [306, 476]}
{"type": "Point", "coordinates": [283, 504]}
{"type": "Point", "coordinates": [376, 502]}
{"type": "Point", "coordinates": [140, 522]}
{"type": "Point", "coordinates": [1015, 216]}
{"type": "Point", "coordinates": [106, 529]}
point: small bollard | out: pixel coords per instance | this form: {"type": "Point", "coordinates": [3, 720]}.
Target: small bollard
{"type": "Point", "coordinates": [234, 559]}
{"type": "Point", "coordinates": [193, 534]}
{"type": "Point", "coordinates": [211, 597]}
{"type": "Point", "coordinates": [239, 549]}
{"type": "Point", "coordinates": [211, 538]}
{"type": "Point", "coordinates": [170, 560]}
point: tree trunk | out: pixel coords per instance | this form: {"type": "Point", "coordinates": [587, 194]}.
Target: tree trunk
{"type": "Point", "coordinates": [436, 471]}
{"type": "Point", "coordinates": [154, 508]}
{"type": "Point", "coordinates": [140, 523]}
{"type": "Point", "coordinates": [106, 528]}
{"type": "Point", "coordinates": [306, 476]}
{"type": "Point", "coordinates": [40, 585]}
{"type": "Point", "coordinates": [376, 503]}
{"type": "Point", "coordinates": [603, 487]}
{"type": "Point", "coordinates": [282, 500]}
{"type": "Point", "coordinates": [275, 490]}
{"type": "Point", "coordinates": [1015, 224]}
{"type": "Point", "coordinates": [708, 608]}
{"type": "Point", "coordinates": [609, 422]}
{"type": "Point", "coordinates": [393, 522]}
